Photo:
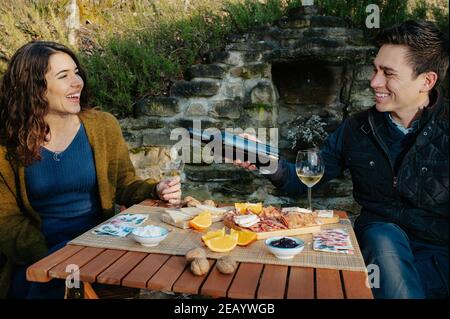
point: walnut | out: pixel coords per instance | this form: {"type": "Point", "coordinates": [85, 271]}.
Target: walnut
{"type": "Point", "coordinates": [195, 253]}
{"type": "Point", "coordinates": [226, 265]}
{"type": "Point", "coordinates": [190, 201]}
{"type": "Point", "coordinates": [193, 203]}
{"type": "Point", "coordinates": [209, 202]}
{"type": "Point", "coordinates": [200, 266]}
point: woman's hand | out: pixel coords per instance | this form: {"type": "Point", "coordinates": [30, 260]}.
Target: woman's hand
{"type": "Point", "coordinates": [169, 190]}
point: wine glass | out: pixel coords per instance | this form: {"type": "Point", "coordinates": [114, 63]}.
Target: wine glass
{"type": "Point", "coordinates": [310, 169]}
{"type": "Point", "coordinates": [173, 167]}
{"type": "Point", "coordinates": [170, 169]}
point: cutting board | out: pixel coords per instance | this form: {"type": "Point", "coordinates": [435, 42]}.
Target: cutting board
{"type": "Point", "coordinates": [292, 231]}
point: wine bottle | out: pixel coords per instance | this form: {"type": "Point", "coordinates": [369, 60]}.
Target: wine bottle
{"type": "Point", "coordinates": [234, 147]}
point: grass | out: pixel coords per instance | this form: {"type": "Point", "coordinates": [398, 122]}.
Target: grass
{"type": "Point", "coordinates": [137, 48]}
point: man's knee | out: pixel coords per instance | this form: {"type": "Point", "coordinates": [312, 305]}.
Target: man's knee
{"type": "Point", "coordinates": [382, 239]}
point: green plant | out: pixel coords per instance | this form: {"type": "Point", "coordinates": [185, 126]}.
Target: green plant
{"type": "Point", "coordinates": [248, 13]}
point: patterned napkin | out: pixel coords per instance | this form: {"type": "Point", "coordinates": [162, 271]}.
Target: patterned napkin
{"type": "Point", "coordinates": [333, 240]}
{"type": "Point", "coordinates": [121, 225]}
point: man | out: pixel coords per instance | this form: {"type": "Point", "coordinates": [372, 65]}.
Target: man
{"type": "Point", "coordinates": [397, 153]}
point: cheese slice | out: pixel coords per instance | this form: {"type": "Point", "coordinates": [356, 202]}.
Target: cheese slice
{"type": "Point", "coordinates": [246, 220]}
{"type": "Point", "coordinates": [325, 213]}
{"type": "Point", "coordinates": [177, 216]}
{"type": "Point", "coordinates": [191, 211]}
{"type": "Point", "coordinates": [290, 209]}
{"type": "Point", "coordinates": [213, 210]}
{"type": "Point", "coordinates": [295, 210]}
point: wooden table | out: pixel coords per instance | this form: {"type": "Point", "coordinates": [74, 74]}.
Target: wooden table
{"type": "Point", "coordinates": [171, 273]}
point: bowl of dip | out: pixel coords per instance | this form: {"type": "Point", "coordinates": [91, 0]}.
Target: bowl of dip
{"type": "Point", "coordinates": [150, 235]}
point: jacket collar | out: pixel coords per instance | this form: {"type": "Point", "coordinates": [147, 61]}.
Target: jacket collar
{"type": "Point", "coordinates": [436, 98]}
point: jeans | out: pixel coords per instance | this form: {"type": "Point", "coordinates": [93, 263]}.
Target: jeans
{"type": "Point", "coordinates": [22, 289]}
{"type": "Point", "coordinates": [57, 235]}
{"type": "Point", "coordinates": [408, 269]}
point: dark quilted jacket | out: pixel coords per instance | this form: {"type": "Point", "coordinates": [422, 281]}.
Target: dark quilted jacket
{"type": "Point", "coordinates": [416, 196]}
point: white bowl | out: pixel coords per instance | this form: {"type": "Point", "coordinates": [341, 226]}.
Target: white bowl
{"type": "Point", "coordinates": [285, 253]}
{"type": "Point", "coordinates": [149, 236]}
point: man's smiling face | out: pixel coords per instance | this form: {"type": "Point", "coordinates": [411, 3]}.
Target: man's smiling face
{"type": "Point", "coordinates": [394, 83]}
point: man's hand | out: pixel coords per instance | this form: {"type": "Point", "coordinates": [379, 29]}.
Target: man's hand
{"type": "Point", "coordinates": [169, 190]}
{"type": "Point", "coordinates": [247, 164]}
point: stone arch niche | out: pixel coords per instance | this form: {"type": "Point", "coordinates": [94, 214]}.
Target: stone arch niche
{"type": "Point", "coordinates": [302, 75]}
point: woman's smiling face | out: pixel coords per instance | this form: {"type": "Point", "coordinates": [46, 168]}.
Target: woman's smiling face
{"type": "Point", "coordinates": [64, 85]}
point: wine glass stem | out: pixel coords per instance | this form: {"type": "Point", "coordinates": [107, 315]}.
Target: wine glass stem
{"type": "Point", "coordinates": [309, 198]}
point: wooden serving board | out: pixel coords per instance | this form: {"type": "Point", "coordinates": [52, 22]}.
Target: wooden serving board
{"type": "Point", "coordinates": [292, 231]}
{"type": "Point", "coordinates": [288, 232]}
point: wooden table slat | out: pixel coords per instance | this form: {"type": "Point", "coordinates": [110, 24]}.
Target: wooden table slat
{"type": "Point", "coordinates": [79, 259]}
{"type": "Point", "coordinates": [272, 284]}
{"type": "Point", "coordinates": [168, 274]}
{"type": "Point", "coordinates": [246, 281]}
{"type": "Point", "coordinates": [355, 285]}
{"type": "Point", "coordinates": [120, 268]}
{"type": "Point", "coordinates": [93, 268]}
{"type": "Point", "coordinates": [140, 275]}
{"type": "Point", "coordinates": [38, 272]}
{"type": "Point", "coordinates": [328, 284]}
{"type": "Point", "coordinates": [301, 283]}
{"type": "Point", "coordinates": [189, 283]}
{"type": "Point", "coordinates": [216, 285]}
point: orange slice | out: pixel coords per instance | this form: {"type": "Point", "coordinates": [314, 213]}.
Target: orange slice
{"type": "Point", "coordinates": [222, 244]}
{"type": "Point", "coordinates": [245, 237]}
{"type": "Point", "coordinates": [255, 208]}
{"type": "Point", "coordinates": [201, 222]}
{"type": "Point", "coordinates": [234, 233]}
{"type": "Point", "coordinates": [213, 233]}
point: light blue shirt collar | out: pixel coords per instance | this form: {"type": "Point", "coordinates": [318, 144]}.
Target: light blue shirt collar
{"type": "Point", "coordinates": [403, 129]}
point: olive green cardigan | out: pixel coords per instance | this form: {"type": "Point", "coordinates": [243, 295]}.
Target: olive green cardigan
{"type": "Point", "coordinates": [21, 240]}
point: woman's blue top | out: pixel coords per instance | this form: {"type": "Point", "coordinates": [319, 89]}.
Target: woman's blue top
{"type": "Point", "coordinates": [62, 188]}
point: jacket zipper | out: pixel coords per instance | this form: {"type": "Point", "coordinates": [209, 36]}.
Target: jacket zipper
{"type": "Point", "coordinates": [386, 152]}
{"type": "Point", "coordinates": [394, 182]}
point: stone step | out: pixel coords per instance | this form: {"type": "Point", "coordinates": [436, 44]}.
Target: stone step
{"type": "Point", "coordinates": [250, 46]}
{"type": "Point", "coordinates": [217, 173]}
{"type": "Point", "coordinates": [195, 88]}
{"type": "Point", "coordinates": [212, 71]}
{"type": "Point", "coordinates": [307, 21]}
{"type": "Point", "coordinates": [334, 55]}
{"type": "Point", "coordinates": [156, 106]}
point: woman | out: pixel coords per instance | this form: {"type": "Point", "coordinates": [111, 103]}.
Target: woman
{"type": "Point", "coordinates": [63, 165]}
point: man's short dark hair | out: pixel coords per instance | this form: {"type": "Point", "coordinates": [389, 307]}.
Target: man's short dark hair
{"type": "Point", "coordinates": [427, 45]}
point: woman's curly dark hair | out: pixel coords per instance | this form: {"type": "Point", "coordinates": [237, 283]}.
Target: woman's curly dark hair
{"type": "Point", "coordinates": [23, 103]}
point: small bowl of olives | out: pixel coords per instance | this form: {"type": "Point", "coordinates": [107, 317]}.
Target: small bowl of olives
{"type": "Point", "coordinates": [284, 247]}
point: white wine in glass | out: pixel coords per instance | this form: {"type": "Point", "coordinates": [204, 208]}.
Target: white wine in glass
{"type": "Point", "coordinates": [174, 167]}
{"type": "Point", "coordinates": [310, 169]}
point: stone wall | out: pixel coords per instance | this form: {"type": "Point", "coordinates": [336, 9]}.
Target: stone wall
{"type": "Point", "coordinates": [302, 75]}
